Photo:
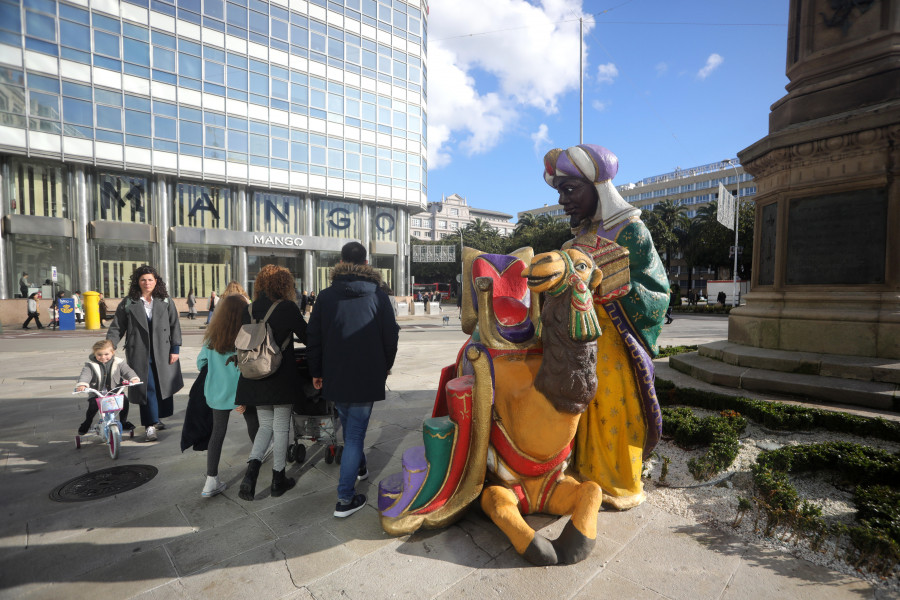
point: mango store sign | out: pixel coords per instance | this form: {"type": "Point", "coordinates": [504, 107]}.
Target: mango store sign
{"type": "Point", "coordinates": [275, 241]}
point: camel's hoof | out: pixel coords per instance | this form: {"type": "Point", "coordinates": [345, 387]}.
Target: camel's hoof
{"type": "Point", "coordinates": [540, 552]}
{"type": "Point", "coordinates": [572, 546]}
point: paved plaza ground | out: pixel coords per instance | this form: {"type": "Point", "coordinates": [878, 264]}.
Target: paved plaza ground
{"type": "Point", "coordinates": [162, 540]}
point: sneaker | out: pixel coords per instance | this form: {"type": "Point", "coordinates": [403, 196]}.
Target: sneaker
{"type": "Point", "coordinates": [213, 486]}
{"type": "Point", "coordinates": [345, 510]}
{"type": "Point", "coordinates": [127, 426]}
{"type": "Point", "coordinates": [151, 433]}
{"type": "Point", "coordinates": [363, 473]}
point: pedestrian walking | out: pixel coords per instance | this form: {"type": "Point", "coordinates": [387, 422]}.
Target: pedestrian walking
{"type": "Point", "coordinates": [79, 309]}
{"type": "Point", "coordinates": [192, 305]}
{"type": "Point", "coordinates": [353, 339]}
{"type": "Point", "coordinates": [34, 312]}
{"type": "Point", "coordinates": [672, 294]}
{"type": "Point", "coordinates": [148, 320]}
{"type": "Point", "coordinates": [103, 310]}
{"type": "Point", "coordinates": [220, 387]}
{"type": "Point", "coordinates": [273, 396]}
{"type": "Point", "coordinates": [212, 306]}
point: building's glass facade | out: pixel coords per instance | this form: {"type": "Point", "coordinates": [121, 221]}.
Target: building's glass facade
{"type": "Point", "coordinates": [173, 132]}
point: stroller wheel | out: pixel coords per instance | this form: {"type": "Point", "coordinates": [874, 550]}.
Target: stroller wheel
{"type": "Point", "coordinates": [290, 453]}
{"type": "Point", "coordinates": [338, 454]}
{"type": "Point", "coordinates": [299, 453]}
{"type": "Point", "coordinates": [329, 456]}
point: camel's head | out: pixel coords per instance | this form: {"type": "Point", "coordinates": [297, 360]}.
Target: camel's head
{"type": "Point", "coordinates": [569, 270]}
{"type": "Point", "coordinates": [553, 271]}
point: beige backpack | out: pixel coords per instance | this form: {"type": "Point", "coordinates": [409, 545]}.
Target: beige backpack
{"type": "Point", "coordinates": [258, 356]}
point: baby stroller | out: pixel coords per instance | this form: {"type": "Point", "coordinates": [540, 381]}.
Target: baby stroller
{"type": "Point", "coordinates": [314, 419]}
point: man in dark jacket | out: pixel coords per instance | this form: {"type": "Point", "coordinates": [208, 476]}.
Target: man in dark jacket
{"type": "Point", "coordinates": [352, 340]}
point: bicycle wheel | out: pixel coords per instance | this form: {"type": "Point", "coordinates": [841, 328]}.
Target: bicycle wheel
{"type": "Point", "coordinates": [114, 440]}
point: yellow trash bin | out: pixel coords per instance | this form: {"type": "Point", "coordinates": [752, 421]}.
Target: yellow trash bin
{"type": "Point", "coordinates": [91, 310]}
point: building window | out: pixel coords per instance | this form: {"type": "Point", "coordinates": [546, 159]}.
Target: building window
{"type": "Point", "coordinates": [208, 207]}
{"type": "Point", "coordinates": [385, 224]}
{"type": "Point", "coordinates": [38, 190]}
{"type": "Point", "coordinates": [338, 219]}
{"type": "Point", "coordinates": [277, 213]}
{"type": "Point", "coordinates": [121, 198]}
{"type": "Point", "coordinates": [454, 212]}
{"type": "Point", "coordinates": [442, 224]}
{"type": "Point", "coordinates": [115, 261]}
{"type": "Point", "coordinates": [417, 222]}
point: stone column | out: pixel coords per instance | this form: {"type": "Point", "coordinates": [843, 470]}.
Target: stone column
{"type": "Point", "coordinates": [826, 263]}
{"type": "Point", "coordinates": [79, 186]}
{"type": "Point", "coordinates": [5, 183]}
{"type": "Point", "coordinates": [240, 252]}
{"type": "Point", "coordinates": [161, 199]}
{"type": "Point", "coordinates": [309, 259]}
{"type": "Point", "coordinates": [402, 258]}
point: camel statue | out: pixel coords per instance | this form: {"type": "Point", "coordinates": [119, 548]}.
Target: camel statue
{"type": "Point", "coordinates": [507, 411]}
{"type": "Point", "coordinates": [535, 421]}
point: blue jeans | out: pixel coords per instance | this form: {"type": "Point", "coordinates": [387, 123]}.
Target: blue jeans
{"type": "Point", "coordinates": [354, 422]}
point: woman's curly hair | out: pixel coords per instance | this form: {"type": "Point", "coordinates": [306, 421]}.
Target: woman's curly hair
{"type": "Point", "coordinates": [275, 283]}
{"type": "Point", "coordinates": [134, 289]}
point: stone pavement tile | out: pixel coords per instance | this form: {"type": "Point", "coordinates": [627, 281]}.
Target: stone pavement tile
{"type": "Point", "coordinates": [134, 574]}
{"type": "Point", "coordinates": [191, 553]}
{"type": "Point", "coordinates": [623, 525]}
{"type": "Point", "coordinates": [610, 585]}
{"type": "Point", "coordinates": [313, 553]}
{"type": "Point", "coordinates": [420, 567]}
{"type": "Point", "coordinates": [174, 590]}
{"type": "Point", "coordinates": [680, 559]}
{"type": "Point", "coordinates": [299, 512]}
{"type": "Point", "coordinates": [301, 594]}
{"type": "Point", "coordinates": [256, 574]}
{"type": "Point", "coordinates": [510, 575]}
{"type": "Point", "coordinates": [361, 533]}
{"type": "Point", "coordinates": [767, 573]}
{"type": "Point", "coordinates": [391, 435]}
{"type": "Point", "coordinates": [483, 532]}
{"type": "Point", "coordinates": [56, 560]}
{"type": "Point", "coordinates": [206, 513]}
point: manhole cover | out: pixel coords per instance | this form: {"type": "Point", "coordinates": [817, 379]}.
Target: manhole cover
{"type": "Point", "coordinates": [103, 483]}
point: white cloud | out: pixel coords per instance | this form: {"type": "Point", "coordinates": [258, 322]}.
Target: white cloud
{"type": "Point", "coordinates": [482, 73]}
{"type": "Point", "coordinates": [607, 73]}
{"type": "Point", "coordinates": [712, 63]}
{"type": "Point", "coordinates": [541, 139]}
{"type": "Point", "coordinates": [661, 68]}
{"type": "Point", "coordinates": [599, 106]}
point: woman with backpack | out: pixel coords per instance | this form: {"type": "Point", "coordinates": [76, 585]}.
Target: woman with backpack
{"type": "Point", "coordinates": [273, 395]}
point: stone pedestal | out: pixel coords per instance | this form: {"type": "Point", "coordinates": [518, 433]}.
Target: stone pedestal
{"type": "Point", "coordinates": [826, 264]}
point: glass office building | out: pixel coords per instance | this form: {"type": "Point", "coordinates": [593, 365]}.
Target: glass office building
{"type": "Point", "coordinates": [208, 138]}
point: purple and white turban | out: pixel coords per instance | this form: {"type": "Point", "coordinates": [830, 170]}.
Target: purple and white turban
{"type": "Point", "coordinates": [597, 165]}
{"type": "Point", "coordinates": [594, 163]}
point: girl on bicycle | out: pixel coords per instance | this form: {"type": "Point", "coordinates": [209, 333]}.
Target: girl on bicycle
{"type": "Point", "coordinates": [222, 376]}
{"type": "Point", "coordinates": [103, 371]}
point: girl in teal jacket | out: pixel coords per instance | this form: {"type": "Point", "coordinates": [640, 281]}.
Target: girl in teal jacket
{"type": "Point", "coordinates": [222, 377]}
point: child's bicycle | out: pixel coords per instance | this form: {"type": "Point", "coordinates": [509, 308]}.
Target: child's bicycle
{"type": "Point", "coordinates": [108, 427]}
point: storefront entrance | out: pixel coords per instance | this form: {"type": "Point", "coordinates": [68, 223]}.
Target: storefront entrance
{"type": "Point", "coordinates": [291, 260]}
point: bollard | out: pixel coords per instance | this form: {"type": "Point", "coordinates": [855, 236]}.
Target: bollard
{"type": "Point", "coordinates": [91, 310]}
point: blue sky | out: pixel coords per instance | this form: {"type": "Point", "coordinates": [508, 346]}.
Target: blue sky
{"type": "Point", "coordinates": [667, 84]}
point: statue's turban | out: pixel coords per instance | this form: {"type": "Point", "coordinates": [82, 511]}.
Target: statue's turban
{"type": "Point", "coordinates": [588, 161]}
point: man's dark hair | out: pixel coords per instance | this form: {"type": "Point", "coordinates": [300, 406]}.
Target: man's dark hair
{"type": "Point", "coordinates": [353, 252]}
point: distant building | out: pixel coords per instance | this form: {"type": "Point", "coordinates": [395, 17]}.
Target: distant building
{"type": "Point", "coordinates": [554, 210]}
{"type": "Point", "coordinates": [443, 218]}
{"type": "Point", "coordinates": [694, 187]}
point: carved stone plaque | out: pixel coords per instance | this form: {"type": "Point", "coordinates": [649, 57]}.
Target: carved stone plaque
{"type": "Point", "coordinates": [837, 239]}
{"type": "Point", "coordinates": [768, 231]}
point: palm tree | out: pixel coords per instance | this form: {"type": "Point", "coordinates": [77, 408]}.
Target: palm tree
{"type": "Point", "coordinates": [478, 227]}
{"type": "Point", "coordinates": [668, 219]}
{"type": "Point", "coordinates": [525, 221]}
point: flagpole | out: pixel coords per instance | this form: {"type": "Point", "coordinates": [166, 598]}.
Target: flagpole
{"type": "Point", "coordinates": [581, 80]}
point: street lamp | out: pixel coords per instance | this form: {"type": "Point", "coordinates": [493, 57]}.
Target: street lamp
{"type": "Point", "coordinates": [737, 219]}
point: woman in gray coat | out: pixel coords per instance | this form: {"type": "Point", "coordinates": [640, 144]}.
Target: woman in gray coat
{"type": "Point", "coordinates": [149, 321]}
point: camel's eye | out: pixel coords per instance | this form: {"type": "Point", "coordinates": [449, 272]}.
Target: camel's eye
{"type": "Point", "coordinates": [581, 266]}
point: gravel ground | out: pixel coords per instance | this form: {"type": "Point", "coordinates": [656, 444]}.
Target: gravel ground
{"type": "Point", "coordinates": [715, 502]}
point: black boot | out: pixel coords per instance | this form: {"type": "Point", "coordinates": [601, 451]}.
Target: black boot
{"type": "Point", "coordinates": [248, 485]}
{"type": "Point", "coordinates": [280, 483]}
